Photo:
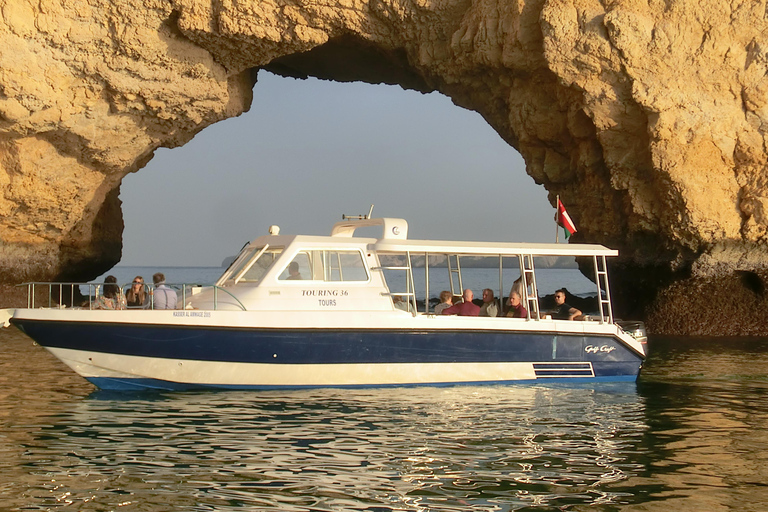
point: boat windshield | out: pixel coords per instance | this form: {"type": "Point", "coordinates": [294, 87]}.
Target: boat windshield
{"type": "Point", "coordinates": [251, 265]}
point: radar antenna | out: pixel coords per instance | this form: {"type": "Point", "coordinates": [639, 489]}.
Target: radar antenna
{"type": "Point", "coordinates": [358, 217]}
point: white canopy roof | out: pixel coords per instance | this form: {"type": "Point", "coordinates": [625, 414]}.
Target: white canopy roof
{"type": "Point", "coordinates": [491, 248]}
{"type": "Point", "coordinates": [395, 231]}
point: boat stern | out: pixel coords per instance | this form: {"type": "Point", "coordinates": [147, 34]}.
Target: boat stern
{"type": "Point", "coordinates": [636, 330]}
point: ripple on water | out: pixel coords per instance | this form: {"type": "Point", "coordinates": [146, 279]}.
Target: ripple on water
{"type": "Point", "coordinates": [65, 446]}
{"type": "Point", "coordinates": [492, 448]}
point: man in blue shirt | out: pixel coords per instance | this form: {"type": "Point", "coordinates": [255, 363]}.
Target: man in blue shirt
{"type": "Point", "coordinates": [164, 297]}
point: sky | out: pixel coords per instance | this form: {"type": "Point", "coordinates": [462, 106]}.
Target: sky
{"type": "Point", "coordinates": [309, 151]}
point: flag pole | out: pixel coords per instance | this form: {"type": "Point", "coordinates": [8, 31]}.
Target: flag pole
{"type": "Point", "coordinates": [557, 220]}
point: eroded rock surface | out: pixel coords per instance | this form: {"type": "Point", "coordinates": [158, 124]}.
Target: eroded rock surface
{"type": "Point", "coordinates": [647, 117]}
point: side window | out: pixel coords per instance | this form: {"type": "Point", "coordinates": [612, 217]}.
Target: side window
{"type": "Point", "coordinates": [298, 269]}
{"type": "Point", "coordinates": [344, 266]}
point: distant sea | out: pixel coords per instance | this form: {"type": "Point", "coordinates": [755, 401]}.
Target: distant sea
{"type": "Point", "coordinates": [548, 279]}
{"type": "Point", "coordinates": [188, 275]}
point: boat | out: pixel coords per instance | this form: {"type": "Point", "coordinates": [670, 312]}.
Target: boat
{"type": "Point", "coordinates": [343, 323]}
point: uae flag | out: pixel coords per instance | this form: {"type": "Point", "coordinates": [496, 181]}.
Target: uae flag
{"type": "Point", "coordinates": [564, 220]}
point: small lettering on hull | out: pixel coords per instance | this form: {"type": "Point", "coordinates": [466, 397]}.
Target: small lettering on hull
{"type": "Point", "coordinates": [594, 349]}
{"type": "Point", "coordinates": [193, 314]}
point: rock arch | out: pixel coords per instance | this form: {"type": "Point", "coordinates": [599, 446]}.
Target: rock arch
{"type": "Point", "coordinates": [648, 118]}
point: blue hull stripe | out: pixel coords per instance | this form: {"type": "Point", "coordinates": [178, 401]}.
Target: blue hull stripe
{"type": "Point", "coordinates": [556, 356]}
{"type": "Point", "coordinates": [322, 346]}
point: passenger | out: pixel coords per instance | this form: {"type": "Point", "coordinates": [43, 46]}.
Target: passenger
{"type": "Point", "coordinates": [293, 271]}
{"type": "Point", "coordinates": [564, 311]}
{"type": "Point", "coordinates": [165, 297]}
{"type": "Point", "coordinates": [490, 307]}
{"type": "Point", "coordinates": [518, 287]}
{"type": "Point", "coordinates": [464, 308]}
{"type": "Point", "coordinates": [446, 301]}
{"type": "Point", "coordinates": [399, 302]}
{"type": "Point", "coordinates": [111, 297]}
{"type": "Point", "coordinates": [516, 308]}
{"type": "Point", "coordinates": [137, 296]}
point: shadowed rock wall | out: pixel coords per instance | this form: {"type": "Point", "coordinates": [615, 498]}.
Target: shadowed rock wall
{"type": "Point", "coordinates": [646, 117]}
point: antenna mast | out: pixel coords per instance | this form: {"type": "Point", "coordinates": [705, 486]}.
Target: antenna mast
{"type": "Point", "coordinates": [358, 217]}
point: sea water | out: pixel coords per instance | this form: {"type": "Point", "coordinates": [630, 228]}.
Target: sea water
{"type": "Point", "coordinates": [690, 435]}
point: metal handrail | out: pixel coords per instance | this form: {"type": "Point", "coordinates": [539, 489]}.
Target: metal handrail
{"type": "Point", "coordinates": [94, 288]}
{"type": "Point", "coordinates": [601, 279]}
{"type": "Point", "coordinates": [215, 297]}
{"type": "Point", "coordinates": [93, 291]}
{"type": "Point", "coordinates": [183, 287]}
{"type": "Point", "coordinates": [409, 286]}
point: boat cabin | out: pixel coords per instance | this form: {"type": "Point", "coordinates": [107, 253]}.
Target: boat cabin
{"type": "Point", "coordinates": [342, 272]}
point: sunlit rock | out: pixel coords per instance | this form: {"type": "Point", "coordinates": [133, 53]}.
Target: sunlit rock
{"type": "Point", "coordinates": [647, 118]}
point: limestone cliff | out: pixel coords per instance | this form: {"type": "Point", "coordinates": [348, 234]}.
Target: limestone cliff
{"type": "Point", "coordinates": [647, 117]}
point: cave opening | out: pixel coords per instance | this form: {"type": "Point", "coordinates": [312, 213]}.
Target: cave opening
{"type": "Point", "coordinates": [311, 150]}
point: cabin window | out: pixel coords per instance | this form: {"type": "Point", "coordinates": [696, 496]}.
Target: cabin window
{"type": "Point", "coordinates": [258, 265]}
{"type": "Point", "coordinates": [344, 266]}
{"type": "Point", "coordinates": [302, 264]}
{"type": "Point", "coordinates": [237, 266]}
{"type": "Point", "coordinates": [323, 265]}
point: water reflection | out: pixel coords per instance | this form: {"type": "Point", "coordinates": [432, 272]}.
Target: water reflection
{"type": "Point", "coordinates": [492, 448]}
{"type": "Point", "coordinates": [707, 421]}
{"type": "Point", "coordinates": [690, 435]}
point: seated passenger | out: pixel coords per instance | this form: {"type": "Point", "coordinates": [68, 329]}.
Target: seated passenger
{"type": "Point", "coordinates": [564, 311]}
{"type": "Point", "coordinates": [516, 308]}
{"type": "Point", "coordinates": [111, 298]}
{"type": "Point", "coordinates": [164, 297]}
{"type": "Point", "coordinates": [490, 307]}
{"type": "Point", "coordinates": [518, 287]}
{"type": "Point", "coordinates": [446, 301]}
{"type": "Point", "coordinates": [399, 302]}
{"type": "Point", "coordinates": [464, 308]}
{"type": "Point", "coordinates": [293, 271]}
{"type": "Point", "coordinates": [137, 296]}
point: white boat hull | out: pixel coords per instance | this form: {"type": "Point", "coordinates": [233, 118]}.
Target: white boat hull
{"type": "Point", "coordinates": [236, 350]}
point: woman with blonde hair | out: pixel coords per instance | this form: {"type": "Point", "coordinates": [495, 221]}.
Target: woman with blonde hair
{"type": "Point", "coordinates": [137, 296]}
